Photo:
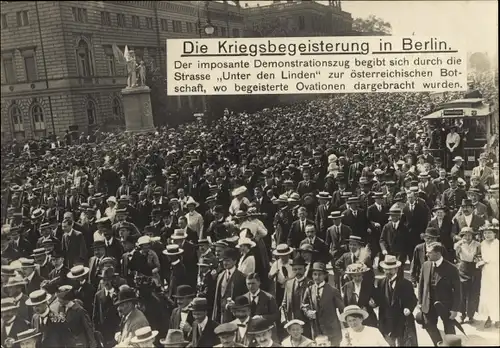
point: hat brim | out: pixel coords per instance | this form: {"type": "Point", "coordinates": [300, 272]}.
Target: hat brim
{"type": "Point", "coordinates": [364, 270]}
{"type": "Point", "coordinates": [184, 296]}
{"type": "Point", "coordinates": [180, 251]}
{"type": "Point", "coordinates": [278, 253]}
{"type": "Point", "coordinates": [319, 270]}
{"type": "Point", "coordinates": [251, 245]}
{"type": "Point", "coordinates": [117, 303]}
{"type": "Point", "coordinates": [196, 204]}
{"type": "Point", "coordinates": [164, 343]}
{"type": "Point", "coordinates": [322, 197]}
{"type": "Point", "coordinates": [154, 333]}
{"type": "Point", "coordinates": [5, 309]}
{"type": "Point", "coordinates": [36, 334]}
{"type": "Point", "coordinates": [386, 266]}
{"type": "Point", "coordinates": [14, 284]}
{"type": "Point", "coordinates": [174, 237]}
{"type": "Point", "coordinates": [270, 327]}
{"type": "Point", "coordinates": [335, 217]}
{"type": "Point", "coordinates": [357, 311]}
{"type": "Point", "coordinates": [85, 272]}
{"type": "Point", "coordinates": [30, 303]}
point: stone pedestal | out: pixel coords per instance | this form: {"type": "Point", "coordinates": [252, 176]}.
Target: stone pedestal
{"type": "Point", "coordinates": [137, 109]}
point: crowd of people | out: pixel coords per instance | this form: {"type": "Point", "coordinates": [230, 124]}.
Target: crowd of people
{"type": "Point", "coordinates": [288, 227]}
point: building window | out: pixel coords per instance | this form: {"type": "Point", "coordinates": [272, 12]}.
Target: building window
{"type": "Point", "coordinates": [91, 112]}
{"type": "Point", "coordinates": [149, 23]}
{"type": "Point", "coordinates": [223, 32]}
{"type": "Point", "coordinates": [120, 19]}
{"type": "Point", "coordinates": [17, 119]}
{"type": "Point", "coordinates": [22, 18]}
{"type": "Point", "coordinates": [189, 27]}
{"type": "Point", "coordinates": [302, 23]}
{"type": "Point", "coordinates": [117, 108]}
{"type": "Point", "coordinates": [164, 25]}
{"type": "Point", "coordinates": [106, 18]}
{"type": "Point", "coordinates": [37, 117]}
{"type": "Point", "coordinates": [177, 26]}
{"type": "Point", "coordinates": [153, 53]}
{"type": "Point", "coordinates": [84, 61]}
{"type": "Point", "coordinates": [9, 69]}
{"type": "Point", "coordinates": [136, 22]}
{"type": "Point", "coordinates": [79, 14]}
{"type": "Point", "coordinates": [236, 32]}
{"type": "Point", "coordinates": [30, 66]}
{"type": "Point", "coordinates": [110, 61]}
{"type": "Point", "coordinates": [4, 22]}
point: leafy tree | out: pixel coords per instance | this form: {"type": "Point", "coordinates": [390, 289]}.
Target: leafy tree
{"type": "Point", "coordinates": [372, 24]}
{"type": "Point", "coordinates": [479, 61]}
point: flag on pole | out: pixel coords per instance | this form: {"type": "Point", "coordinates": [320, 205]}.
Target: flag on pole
{"type": "Point", "coordinates": [126, 54]}
{"type": "Point", "coordinates": [119, 57]}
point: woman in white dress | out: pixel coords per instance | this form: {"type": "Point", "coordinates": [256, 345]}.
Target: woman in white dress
{"type": "Point", "coordinates": [489, 303]}
{"type": "Point", "coordinates": [238, 200]}
{"type": "Point", "coordinates": [357, 334]}
{"type": "Point", "coordinates": [246, 264]}
{"type": "Point", "coordinates": [110, 211]}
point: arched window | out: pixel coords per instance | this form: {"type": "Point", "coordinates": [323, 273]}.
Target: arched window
{"type": "Point", "coordinates": [84, 61]}
{"type": "Point", "coordinates": [37, 117]}
{"type": "Point", "coordinates": [17, 118]}
{"type": "Point", "coordinates": [117, 108]}
{"type": "Point", "coordinates": [91, 113]}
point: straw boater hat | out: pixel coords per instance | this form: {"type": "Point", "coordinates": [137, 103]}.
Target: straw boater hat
{"type": "Point", "coordinates": [17, 280]}
{"type": "Point", "coordinates": [458, 158]}
{"type": "Point", "coordinates": [29, 334]}
{"type": "Point", "coordinates": [179, 233]}
{"type": "Point", "coordinates": [245, 241]}
{"type": "Point", "coordinates": [172, 250]}
{"type": "Point", "coordinates": [390, 262]}
{"type": "Point", "coordinates": [111, 199]}
{"type": "Point", "coordinates": [175, 338]}
{"type": "Point", "coordinates": [281, 199]}
{"type": "Point", "coordinates": [324, 195]}
{"type": "Point", "coordinates": [191, 201]}
{"type": "Point", "coordinates": [353, 309]}
{"type": "Point", "coordinates": [335, 215]}
{"type": "Point", "coordinates": [294, 197]}
{"type": "Point", "coordinates": [39, 252]}
{"type": "Point", "coordinates": [239, 191]}
{"type": "Point", "coordinates": [294, 322]}
{"type": "Point", "coordinates": [144, 334]}
{"type": "Point", "coordinates": [8, 304]}
{"type": "Point", "coordinates": [356, 268]}
{"type": "Point", "coordinates": [282, 250]}
{"type": "Point", "coordinates": [78, 272]}
{"type": "Point", "coordinates": [143, 240]}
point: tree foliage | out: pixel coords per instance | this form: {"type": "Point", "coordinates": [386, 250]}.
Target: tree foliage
{"type": "Point", "coordinates": [479, 61]}
{"type": "Point", "coordinates": [372, 24]}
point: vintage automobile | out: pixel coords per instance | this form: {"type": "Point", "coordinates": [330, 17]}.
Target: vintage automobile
{"type": "Point", "coordinates": [475, 123]}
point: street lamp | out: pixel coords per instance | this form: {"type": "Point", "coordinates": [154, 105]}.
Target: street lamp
{"type": "Point", "coordinates": [209, 28]}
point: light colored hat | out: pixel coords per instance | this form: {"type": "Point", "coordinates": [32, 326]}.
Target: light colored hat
{"type": "Point", "coordinates": [27, 335]}
{"type": "Point", "coordinates": [458, 158]}
{"type": "Point", "coordinates": [8, 303]}
{"type": "Point", "coordinates": [172, 250]}
{"type": "Point", "coordinates": [143, 240]}
{"type": "Point", "coordinates": [144, 334]}
{"type": "Point", "coordinates": [179, 233]}
{"type": "Point", "coordinates": [37, 297]}
{"type": "Point", "coordinates": [282, 249]}
{"type": "Point", "coordinates": [26, 263]}
{"type": "Point", "coordinates": [78, 272]}
{"type": "Point", "coordinates": [292, 322]}
{"type": "Point", "coordinates": [111, 199]}
{"type": "Point", "coordinates": [17, 280]}
{"type": "Point", "coordinates": [238, 191]}
{"type": "Point", "coordinates": [353, 309]}
{"type": "Point", "coordinates": [390, 262]}
{"type": "Point", "coordinates": [356, 268]}
{"type": "Point", "coordinates": [192, 201]}
{"type": "Point", "coordinates": [175, 338]}
{"type": "Point", "coordinates": [245, 241]}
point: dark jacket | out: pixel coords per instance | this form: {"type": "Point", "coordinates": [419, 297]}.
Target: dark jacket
{"type": "Point", "coordinates": [207, 338]}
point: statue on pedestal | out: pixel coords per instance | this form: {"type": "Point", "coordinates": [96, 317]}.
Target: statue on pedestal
{"type": "Point", "coordinates": [128, 59]}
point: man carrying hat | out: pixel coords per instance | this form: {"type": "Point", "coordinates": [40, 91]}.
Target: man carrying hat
{"type": "Point", "coordinates": [396, 300]}
{"type": "Point", "coordinates": [202, 333]}
{"type": "Point", "coordinates": [11, 324]}
{"type": "Point", "coordinates": [439, 282]}
{"type": "Point", "coordinates": [181, 317]}
{"type": "Point", "coordinates": [227, 335]}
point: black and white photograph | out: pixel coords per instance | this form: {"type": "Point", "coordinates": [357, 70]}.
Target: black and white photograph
{"type": "Point", "coordinates": [249, 174]}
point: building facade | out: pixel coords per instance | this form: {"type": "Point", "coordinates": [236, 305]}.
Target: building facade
{"type": "Point", "coordinates": [58, 71]}
{"type": "Point", "coordinates": [297, 18]}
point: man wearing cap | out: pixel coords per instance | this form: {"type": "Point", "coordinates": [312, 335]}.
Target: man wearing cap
{"type": "Point", "coordinates": [439, 283]}
{"type": "Point", "coordinates": [11, 323]}
{"type": "Point", "coordinates": [227, 335]}
{"type": "Point", "coordinates": [105, 314]}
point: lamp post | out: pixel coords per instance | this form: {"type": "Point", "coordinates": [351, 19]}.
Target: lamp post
{"type": "Point", "coordinates": [208, 29]}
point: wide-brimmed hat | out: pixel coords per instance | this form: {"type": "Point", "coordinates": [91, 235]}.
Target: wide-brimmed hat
{"type": "Point", "coordinates": [245, 241]}
{"type": "Point", "coordinates": [77, 272]}
{"type": "Point", "coordinates": [394, 211]}
{"type": "Point", "coordinates": [8, 304]}
{"type": "Point", "coordinates": [458, 158]}
{"type": "Point", "coordinates": [230, 253]}
{"type": "Point", "coordinates": [324, 195]}
{"type": "Point", "coordinates": [241, 301]}
{"type": "Point", "coordinates": [27, 335]}
{"type": "Point", "coordinates": [439, 207]}
{"type": "Point", "coordinates": [207, 261]}
{"type": "Point", "coordinates": [111, 199]}
{"type": "Point", "coordinates": [39, 252]}
{"type": "Point", "coordinates": [27, 263]}
{"type": "Point", "coordinates": [238, 191]}
{"type": "Point", "coordinates": [282, 250]}
{"type": "Point", "coordinates": [352, 200]}
{"type": "Point", "coordinates": [293, 322]}
{"type": "Point", "coordinates": [198, 304]}
{"type": "Point", "coordinates": [353, 309]}
{"type": "Point", "coordinates": [174, 338]}
{"type": "Point", "coordinates": [258, 324]}
{"type": "Point", "coordinates": [183, 291]}
{"type": "Point", "coordinates": [100, 243]}
{"type": "Point", "coordinates": [466, 230]}
{"type": "Point", "coordinates": [357, 268]}
{"type": "Point", "coordinates": [172, 250]}
{"type": "Point", "coordinates": [144, 334]}
{"type": "Point", "coordinates": [125, 294]}
{"type": "Point", "coordinates": [319, 266]}
{"type": "Point", "coordinates": [37, 213]}
{"type": "Point", "coordinates": [281, 199]}
{"type": "Point", "coordinates": [37, 297]}
{"type": "Point", "coordinates": [294, 197]}
{"type": "Point", "coordinates": [65, 292]}
{"type": "Point", "coordinates": [16, 280]}
{"type": "Point", "coordinates": [143, 240]}
{"type": "Point", "coordinates": [390, 261]}
{"type": "Point", "coordinates": [424, 175]}
{"type": "Point", "coordinates": [179, 233]}
{"type": "Point", "coordinates": [191, 201]}
{"type": "Point", "coordinates": [335, 215]}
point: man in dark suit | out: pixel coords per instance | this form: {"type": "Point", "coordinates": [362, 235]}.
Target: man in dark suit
{"type": "Point", "coordinates": [202, 333]}
{"type": "Point", "coordinates": [11, 323]}
{"type": "Point", "coordinates": [324, 209]}
{"type": "Point", "coordinates": [443, 223]}
{"type": "Point", "coordinates": [297, 231]}
{"type": "Point", "coordinates": [337, 236]}
{"type": "Point", "coordinates": [430, 190]}
{"type": "Point", "coordinates": [355, 170]}
{"type": "Point", "coordinates": [181, 317]}
{"type": "Point", "coordinates": [453, 196]}
{"type": "Point", "coordinates": [396, 300]}
{"type": "Point", "coordinates": [113, 247]}
{"type": "Point", "coordinates": [176, 273]}
{"type": "Point", "coordinates": [99, 249]}
{"type": "Point", "coordinates": [230, 283]}
{"type": "Point", "coordinates": [431, 235]}
{"type": "Point", "coordinates": [105, 315]}
{"type": "Point", "coordinates": [82, 289]}
{"type": "Point", "coordinates": [31, 275]}
{"type": "Point", "coordinates": [393, 237]}
{"type": "Point", "coordinates": [439, 282]}
{"type": "Point", "coordinates": [19, 245]}
{"type": "Point", "coordinates": [73, 244]}
{"type": "Point", "coordinates": [467, 218]}
{"type": "Point", "coordinates": [307, 185]}
{"type": "Point", "coordinates": [206, 281]}
{"type": "Point", "coordinates": [377, 217]}
{"type": "Point", "coordinates": [356, 218]}
{"type": "Point", "coordinates": [317, 243]}
{"type": "Point", "coordinates": [358, 252]}
{"type": "Point", "coordinates": [189, 255]}
{"type": "Point", "coordinates": [415, 218]}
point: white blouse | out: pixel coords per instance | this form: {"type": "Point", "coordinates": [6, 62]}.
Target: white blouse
{"type": "Point", "coordinates": [369, 337]}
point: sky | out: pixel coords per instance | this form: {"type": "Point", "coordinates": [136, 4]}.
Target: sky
{"type": "Point", "coordinates": [474, 23]}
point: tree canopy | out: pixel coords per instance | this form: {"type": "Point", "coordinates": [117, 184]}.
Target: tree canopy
{"type": "Point", "coordinates": [372, 24]}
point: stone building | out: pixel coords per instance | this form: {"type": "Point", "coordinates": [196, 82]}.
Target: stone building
{"type": "Point", "coordinates": [58, 70]}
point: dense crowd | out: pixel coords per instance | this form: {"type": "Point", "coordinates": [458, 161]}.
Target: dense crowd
{"type": "Point", "coordinates": [291, 226]}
